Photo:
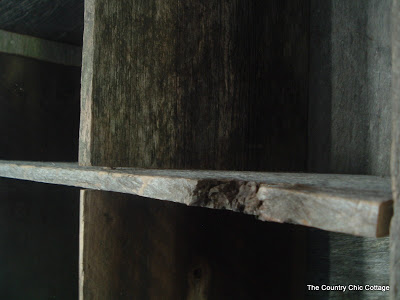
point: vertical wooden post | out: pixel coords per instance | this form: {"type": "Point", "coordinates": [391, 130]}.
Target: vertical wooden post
{"type": "Point", "coordinates": [395, 161]}
{"type": "Point", "coordinates": [189, 84]}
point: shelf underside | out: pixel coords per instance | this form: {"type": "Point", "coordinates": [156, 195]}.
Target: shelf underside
{"type": "Point", "coordinates": [354, 204]}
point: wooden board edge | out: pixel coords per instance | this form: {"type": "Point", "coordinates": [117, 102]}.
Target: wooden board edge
{"type": "Point", "coordinates": [82, 213]}
{"type": "Point", "coordinates": [40, 49]}
{"type": "Point", "coordinates": [357, 212]}
{"type": "Point", "coordinates": [86, 122]}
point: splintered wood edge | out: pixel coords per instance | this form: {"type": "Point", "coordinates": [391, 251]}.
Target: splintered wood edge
{"type": "Point", "coordinates": [353, 204]}
{"type": "Point", "coordinates": [44, 50]}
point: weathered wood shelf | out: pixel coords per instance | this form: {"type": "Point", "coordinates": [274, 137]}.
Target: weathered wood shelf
{"type": "Point", "coordinates": [354, 204]}
{"type": "Point", "coordinates": [44, 50]}
{"type": "Point", "coordinates": [226, 85]}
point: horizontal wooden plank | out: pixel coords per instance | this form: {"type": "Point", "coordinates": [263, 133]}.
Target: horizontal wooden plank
{"type": "Point", "coordinates": [354, 204]}
{"type": "Point", "coordinates": [28, 46]}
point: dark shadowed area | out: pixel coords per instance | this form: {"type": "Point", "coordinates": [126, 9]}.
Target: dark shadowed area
{"type": "Point", "coordinates": [56, 20]}
{"type": "Point", "coordinates": [39, 120]}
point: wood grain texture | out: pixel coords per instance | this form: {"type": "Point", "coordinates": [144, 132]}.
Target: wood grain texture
{"type": "Point", "coordinates": [350, 107]}
{"type": "Point", "coordinates": [395, 161]}
{"type": "Point", "coordinates": [203, 85]}
{"type": "Point", "coordinates": [358, 205]}
{"type": "Point", "coordinates": [149, 249]}
{"type": "Point", "coordinates": [189, 85]}
{"type": "Point", "coordinates": [55, 20]}
{"type": "Point", "coordinates": [349, 129]}
{"type": "Point", "coordinates": [86, 120]}
{"type": "Point", "coordinates": [32, 47]}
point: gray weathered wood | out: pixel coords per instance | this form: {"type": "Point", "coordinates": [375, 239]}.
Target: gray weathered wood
{"type": "Point", "coordinates": [395, 160]}
{"type": "Point", "coordinates": [32, 47]}
{"type": "Point", "coordinates": [353, 204]}
{"type": "Point", "coordinates": [86, 121]}
{"type": "Point", "coordinates": [189, 85]}
{"type": "Point", "coordinates": [349, 129]}
{"type": "Point", "coordinates": [182, 84]}
{"type": "Point", "coordinates": [149, 249]}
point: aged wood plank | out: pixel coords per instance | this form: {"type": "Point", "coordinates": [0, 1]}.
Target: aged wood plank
{"type": "Point", "coordinates": [82, 244]}
{"type": "Point", "coordinates": [149, 249]}
{"type": "Point", "coordinates": [395, 159]}
{"type": "Point", "coordinates": [32, 47]}
{"type": "Point", "coordinates": [182, 84]}
{"type": "Point", "coordinates": [189, 85]}
{"type": "Point", "coordinates": [355, 204]}
{"type": "Point", "coordinates": [86, 121]}
{"type": "Point", "coordinates": [349, 129]}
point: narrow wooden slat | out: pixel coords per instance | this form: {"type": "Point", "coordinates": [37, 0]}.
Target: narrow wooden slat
{"type": "Point", "coordinates": [395, 160]}
{"type": "Point", "coordinates": [28, 46]}
{"type": "Point", "coordinates": [354, 204]}
{"type": "Point", "coordinates": [81, 243]}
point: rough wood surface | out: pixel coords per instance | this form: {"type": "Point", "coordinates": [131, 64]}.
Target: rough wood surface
{"type": "Point", "coordinates": [395, 162]}
{"type": "Point", "coordinates": [32, 47]}
{"type": "Point", "coordinates": [86, 120]}
{"type": "Point", "coordinates": [349, 129]}
{"type": "Point", "coordinates": [189, 85]}
{"type": "Point", "coordinates": [353, 204]}
{"type": "Point", "coordinates": [149, 249]}
{"type": "Point", "coordinates": [195, 84]}
{"type": "Point", "coordinates": [350, 107]}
